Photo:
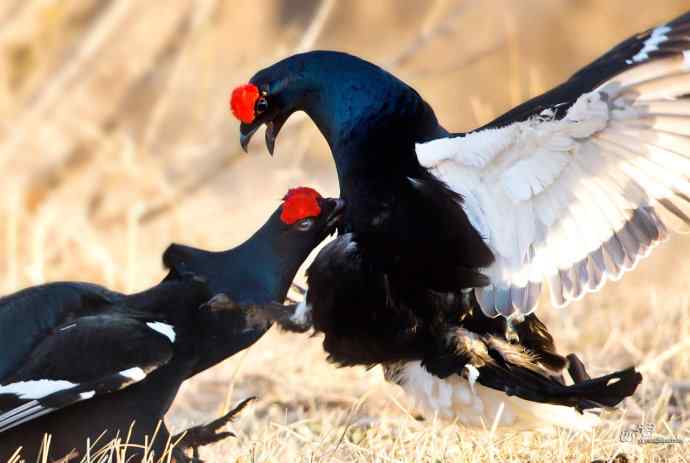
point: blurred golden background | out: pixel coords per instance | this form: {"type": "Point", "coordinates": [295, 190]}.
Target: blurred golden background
{"type": "Point", "coordinates": [116, 139]}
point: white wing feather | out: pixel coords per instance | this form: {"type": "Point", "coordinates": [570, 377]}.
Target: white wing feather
{"type": "Point", "coordinates": [575, 201]}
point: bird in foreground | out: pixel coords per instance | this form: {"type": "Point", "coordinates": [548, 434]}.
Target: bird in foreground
{"type": "Point", "coordinates": [80, 361]}
{"type": "Point", "coordinates": [448, 237]}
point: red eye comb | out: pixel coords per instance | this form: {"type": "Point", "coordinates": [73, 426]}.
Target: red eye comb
{"type": "Point", "coordinates": [300, 203]}
{"type": "Point", "coordinates": [242, 102]}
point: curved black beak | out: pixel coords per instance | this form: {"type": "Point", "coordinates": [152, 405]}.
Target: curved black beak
{"type": "Point", "coordinates": [246, 133]}
{"type": "Point", "coordinates": [336, 215]}
{"type": "Point", "coordinates": [273, 127]}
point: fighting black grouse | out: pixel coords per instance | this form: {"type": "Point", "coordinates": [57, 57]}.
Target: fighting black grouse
{"type": "Point", "coordinates": [450, 236]}
{"type": "Point", "coordinates": [81, 361]}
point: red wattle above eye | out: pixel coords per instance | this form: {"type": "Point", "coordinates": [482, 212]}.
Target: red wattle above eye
{"type": "Point", "coordinates": [300, 203]}
{"type": "Point", "coordinates": [242, 102]}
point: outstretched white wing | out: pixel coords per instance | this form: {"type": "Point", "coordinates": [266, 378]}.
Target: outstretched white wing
{"type": "Point", "coordinates": [575, 197]}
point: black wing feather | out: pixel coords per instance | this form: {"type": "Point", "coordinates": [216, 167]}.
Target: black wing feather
{"type": "Point", "coordinates": [612, 63]}
{"type": "Point", "coordinates": [28, 315]}
{"type": "Point", "coordinates": [90, 356]}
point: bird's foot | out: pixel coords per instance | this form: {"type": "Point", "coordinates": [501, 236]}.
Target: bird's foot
{"type": "Point", "coordinates": [260, 315]}
{"type": "Point", "coordinates": [209, 433]}
{"type": "Point", "coordinates": [254, 315]}
{"type": "Point", "coordinates": [282, 314]}
{"type": "Point", "coordinates": [220, 302]}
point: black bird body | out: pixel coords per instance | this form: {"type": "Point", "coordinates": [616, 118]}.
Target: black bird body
{"type": "Point", "coordinates": [87, 335]}
{"type": "Point", "coordinates": [372, 121]}
{"type": "Point", "coordinates": [414, 247]}
{"type": "Point", "coordinates": [448, 238]}
{"type": "Point", "coordinates": [81, 360]}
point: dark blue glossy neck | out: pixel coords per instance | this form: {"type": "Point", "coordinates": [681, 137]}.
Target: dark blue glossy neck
{"type": "Point", "coordinates": [370, 119]}
{"type": "Point", "coordinates": [260, 269]}
{"type": "Point", "coordinates": [257, 271]}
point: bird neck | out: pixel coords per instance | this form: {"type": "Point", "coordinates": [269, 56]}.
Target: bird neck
{"type": "Point", "coordinates": [258, 271]}
{"type": "Point", "coordinates": [372, 130]}
{"type": "Point", "coordinates": [267, 269]}
{"type": "Point", "coordinates": [261, 269]}
{"type": "Point", "coordinates": [371, 121]}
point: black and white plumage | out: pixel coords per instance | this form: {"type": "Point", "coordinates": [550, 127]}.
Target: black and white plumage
{"type": "Point", "coordinates": [460, 231]}
{"type": "Point", "coordinates": [448, 356]}
{"type": "Point", "coordinates": [444, 352]}
{"type": "Point", "coordinates": [80, 360]}
{"type": "Point", "coordinates": [573, 186]}
{"type": "Point", "coordinates": [569, 187]}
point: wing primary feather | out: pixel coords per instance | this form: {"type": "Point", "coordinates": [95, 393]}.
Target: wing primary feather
{"type": "Point", "coordinates": [582, 272]}
{"type": "Point", "coordinates": [569, 194]}
{"type": "Point", "coordinates": [615, 257]}
{"type": "Point", "coordinates": [24, 416]}
{"type": "Point", "coordinates": [533, 292]}
{"type": "Point", "coordinates": [502, 301]}
{"type": "Point", "coordinates": [38, 414]}
{"type": "Point", "coordinates": [487, 301]}
{"type": "Point", "coordinates": [16, 410]}
{"type": "Point", "coordinates": [668, 86]}
{"type": "Point", "coordinates": [595, 273]}
{"type": "Point", "coordinates": [675, 210]}
{"type": "Point", "coordinates": [556, 286]}
{"type": "Point", "coordinates": [630, 244]}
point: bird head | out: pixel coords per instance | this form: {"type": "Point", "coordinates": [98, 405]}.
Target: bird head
{"type": "Point", "coordinates": [306, 216]}
{"type": "Point", "coordinates": [295, 228]}
{"type": "Point", "coordinates": [271, 257]}
{"type": "Point", "coordinates": [333, 88]}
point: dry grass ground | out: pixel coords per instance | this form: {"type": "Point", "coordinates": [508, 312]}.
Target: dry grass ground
{"type": "Point", "coordinates": [115, 140]}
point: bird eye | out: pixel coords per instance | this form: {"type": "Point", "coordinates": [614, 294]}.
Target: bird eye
{"type": "Point", "coordinates": [305, 224]}
{"type": "Point", "coordinates": [261, 105]}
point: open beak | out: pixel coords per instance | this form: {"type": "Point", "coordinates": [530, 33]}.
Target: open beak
{"type": "Point", "coordinates": [272, 129]}
{"type": "Point", "coordinates": [335, 216]}
{"type": "Point", "coordinates": [246, 133]}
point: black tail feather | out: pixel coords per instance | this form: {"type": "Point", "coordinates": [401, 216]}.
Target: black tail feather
{"type": "Point", "coordinates": [577, 369]}
{"type": "Point", "coordinates": [604, 391]}
{"type": "Point", "coordinates": [608, 390]}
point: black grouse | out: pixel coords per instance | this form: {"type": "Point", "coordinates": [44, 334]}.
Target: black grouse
{"type": "Point", "coordinates": [80, 361]}
{"type": "Point", "coordinates": [448, 237]}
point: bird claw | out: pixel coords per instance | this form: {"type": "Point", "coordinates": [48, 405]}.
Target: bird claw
{"type": "Point", "coordinates": [199, 436]}
{"type": "Point", "coordinates": [220, 302]}
{"type": "Point", "coordinates": [254, 314]}
{"type": "Point", "coordinates": [265, 314]}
